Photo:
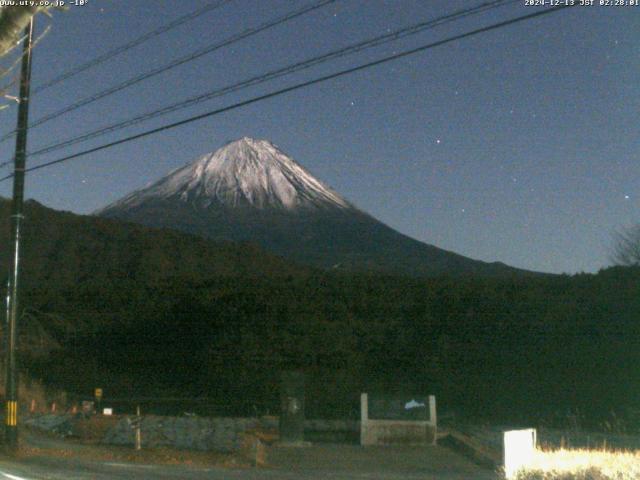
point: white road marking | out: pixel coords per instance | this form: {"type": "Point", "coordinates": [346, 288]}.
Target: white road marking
{"type": "Point", "coordinates": [12, 477]}
{"type": "Point", "coordinates": [128, 465]}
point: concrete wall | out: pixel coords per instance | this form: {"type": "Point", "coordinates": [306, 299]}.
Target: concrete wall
{"type": "Point", "coordinates": [388, 432]}
{"type": "Point", "coordinates": [406, 432]}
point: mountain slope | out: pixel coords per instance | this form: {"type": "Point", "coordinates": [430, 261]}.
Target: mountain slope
{"type": "Point", "coordinates": [80, 274]}
{"type": "Point", "coordinates": [62, 249]}
{"type": "Point", "coordinates": [251, 191]}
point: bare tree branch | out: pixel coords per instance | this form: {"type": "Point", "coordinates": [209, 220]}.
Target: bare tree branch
{"type": "Point", "coordinates": [626, 248]}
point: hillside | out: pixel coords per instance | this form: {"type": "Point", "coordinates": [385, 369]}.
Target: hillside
{"type": "Point", "coordinates": [63, 248]}
{"type": "Point", "coordinates": [65, 256]}
{"type": "Point", "coordinates": [147, 312]}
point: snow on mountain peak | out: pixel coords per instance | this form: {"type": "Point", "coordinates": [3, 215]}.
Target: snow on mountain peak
{"type": "Point", "coordinates": [245, 172]}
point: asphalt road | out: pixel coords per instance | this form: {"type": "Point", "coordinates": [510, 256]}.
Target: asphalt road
{"type": "Point", "coordinates": [311, 463]}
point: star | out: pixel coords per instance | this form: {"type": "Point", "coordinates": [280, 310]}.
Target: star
{"type": "Point", "coordinates": [438, 141]}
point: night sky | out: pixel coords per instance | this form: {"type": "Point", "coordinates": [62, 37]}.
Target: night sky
{"type": "Point", "coordinates": [518, 145]}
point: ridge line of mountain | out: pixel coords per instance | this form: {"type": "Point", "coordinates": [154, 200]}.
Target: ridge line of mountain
{"type": "Point", "coordinates": [251, 191]}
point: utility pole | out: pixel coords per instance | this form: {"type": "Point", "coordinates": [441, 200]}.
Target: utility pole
{"type": "Point", "coordinates": [11, 370]}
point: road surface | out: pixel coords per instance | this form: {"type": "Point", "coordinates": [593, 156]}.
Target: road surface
{"type": "Point", "coordinates": [306, 463]}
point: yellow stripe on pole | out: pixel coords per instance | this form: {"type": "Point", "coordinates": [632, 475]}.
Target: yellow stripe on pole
{"type": "Point", "coordinates": [12, 413]}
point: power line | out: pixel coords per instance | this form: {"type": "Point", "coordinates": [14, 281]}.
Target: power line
{"type": "Point", "coordinates": [129, 45]}
{"type": "Point", "coordinates": [292, 68]}
{"type": "Point", "coordinates": [112, 53]}
{"type": "Point", "coordinates": [298, 86]}
{"type": "Point", "coordinates": [132, 81]}
{"type": "Point", "coordinates": [5, 72]}
{"type": "Point", "coordinates": [176, 63]}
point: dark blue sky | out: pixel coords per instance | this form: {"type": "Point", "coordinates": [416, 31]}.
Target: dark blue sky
{"type": "Point", "coordinates": [519, 145]}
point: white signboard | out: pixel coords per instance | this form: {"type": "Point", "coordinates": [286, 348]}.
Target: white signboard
{"type": "Point", "coordinates": [519, 448]}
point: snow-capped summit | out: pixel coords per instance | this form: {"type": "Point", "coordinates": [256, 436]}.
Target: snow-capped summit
{"type": "Point", "coordinates": [250, 191]}
{"type": "Point", "coordinates": [246, 172]}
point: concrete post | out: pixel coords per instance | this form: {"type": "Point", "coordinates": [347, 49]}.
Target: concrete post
{"type": "Point", "coordinates": [364, 417]}
{"type": "Point", "coordinates": [292, 408]}
{"type": "Point", "coordinates": [138, 429]}
{"type": "Point", "coordinates": [433, 418]}
{"type": "Point", "coordinates": [364, 407]}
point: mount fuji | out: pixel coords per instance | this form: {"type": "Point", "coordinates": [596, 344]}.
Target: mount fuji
{"type": "Point", "coordinates": [250, 191]}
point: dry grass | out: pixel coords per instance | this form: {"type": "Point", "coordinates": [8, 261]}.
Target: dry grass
{"type": "Point", "coordinates": [582, 465]}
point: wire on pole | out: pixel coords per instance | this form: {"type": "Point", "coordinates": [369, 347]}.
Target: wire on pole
{"type": "Point", "coordinates": [298, 86]}
{"type": "Point", "coordinates": [129, 45]}
{"type": "Point", "coordinates": [174, 64]}
{"type": "Point", "coordinates": [271, 75]}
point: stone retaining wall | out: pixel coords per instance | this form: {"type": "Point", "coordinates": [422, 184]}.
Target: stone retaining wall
{"type": "Point", "coordinates": [200, 433]}
{"type": "Point", "coordinates": [60, 424]}
{"type": "Point", "coordinates": [194, 433]}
